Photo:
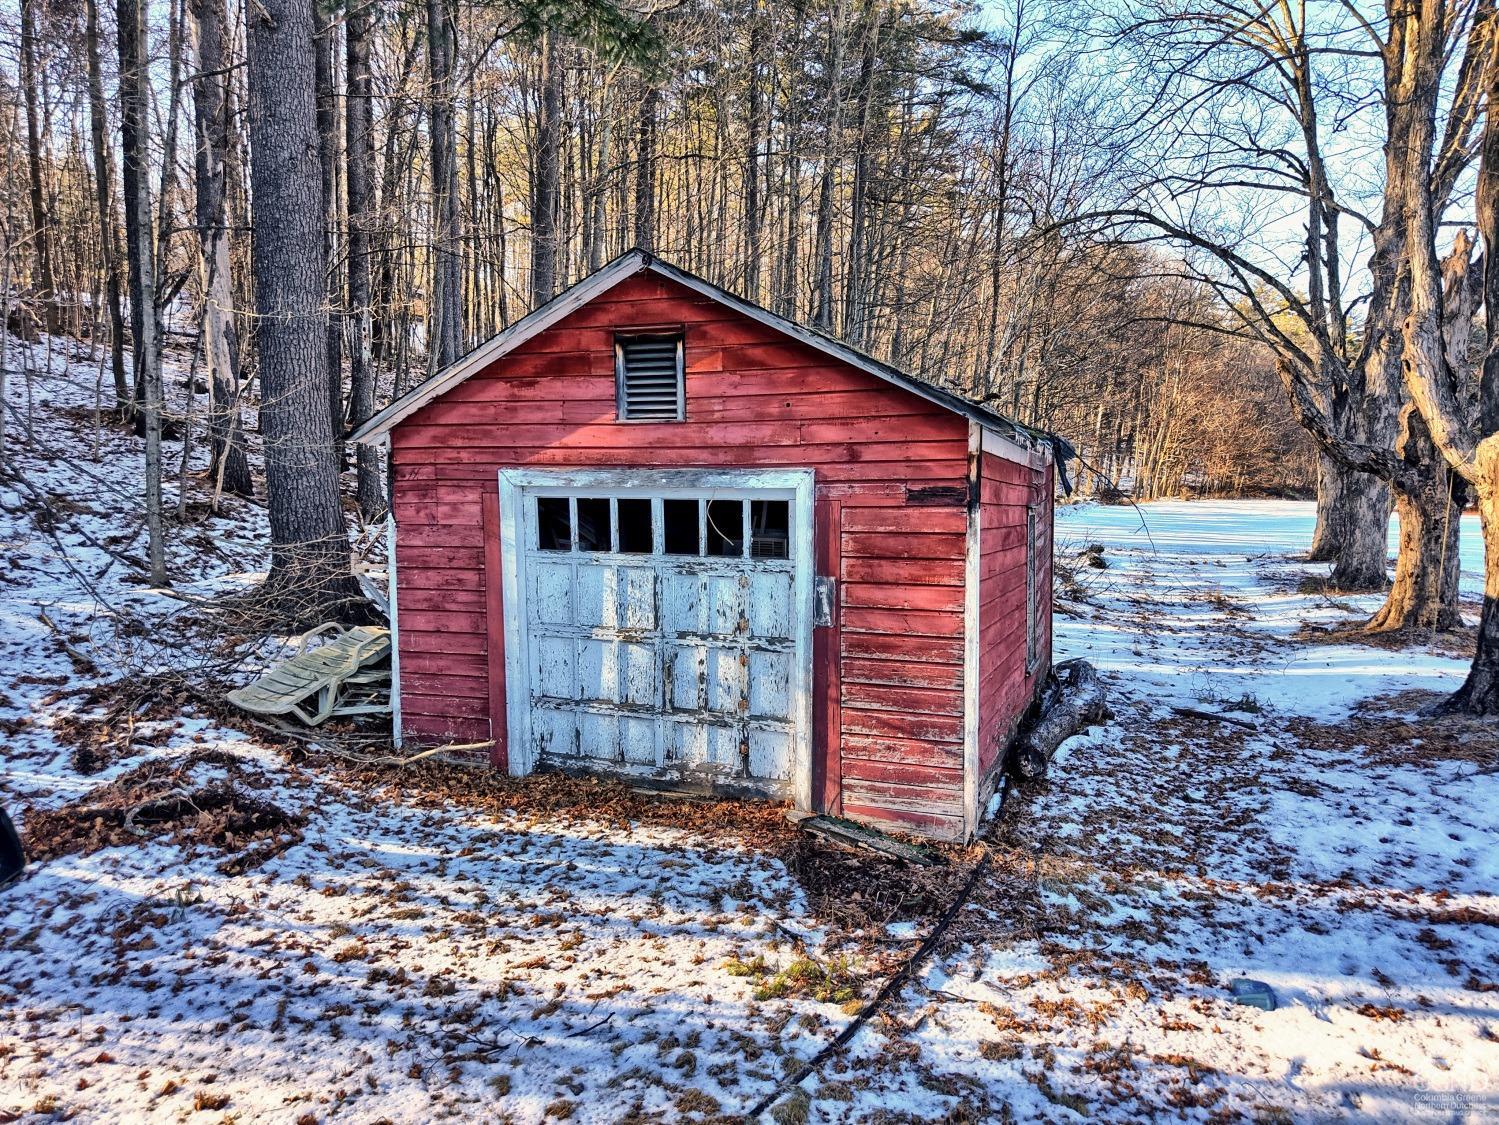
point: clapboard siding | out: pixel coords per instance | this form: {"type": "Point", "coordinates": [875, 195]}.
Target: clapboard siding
{"type": "Point", "coordinates": [755, 398]}
{"type": "Point", "coordinates": [1005, 687]}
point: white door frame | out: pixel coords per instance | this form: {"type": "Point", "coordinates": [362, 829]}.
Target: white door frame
{"type": "Point", "coordinates": [516, 483]}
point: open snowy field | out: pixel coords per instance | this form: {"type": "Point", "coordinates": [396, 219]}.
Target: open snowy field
{"type": "Point", "coordinates": [417, 946]}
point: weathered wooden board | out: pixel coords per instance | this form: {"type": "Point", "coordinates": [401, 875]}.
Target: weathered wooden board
{"type": "Point", "coordinates": [1005, 685]}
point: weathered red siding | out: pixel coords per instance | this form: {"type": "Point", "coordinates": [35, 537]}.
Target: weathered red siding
{"type": "Point", "coordinates": [1005, 686]}
{"type": "Point", "coordinates": [888, 708]}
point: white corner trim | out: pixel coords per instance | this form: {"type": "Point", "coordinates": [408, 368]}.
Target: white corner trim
{"type": "Point", "coordinates": [804, 599]}
{"type": "Point", "coordinates": [1002, 447]}
{"type": "Point", "coordinates": [395, 614]}
{"type": "Point", "coordinates": [978, 439]}
{"type": "Point", "coordinates": [517, 703]}
{"type": "Point", "coordinates": [517, 485]}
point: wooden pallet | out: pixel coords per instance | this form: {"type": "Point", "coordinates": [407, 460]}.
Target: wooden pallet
{"type": "Point", "coordinates": [346, 675]}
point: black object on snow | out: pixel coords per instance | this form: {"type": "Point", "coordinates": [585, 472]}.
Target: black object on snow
{"type": "Point", "coordinates": [12, 855]}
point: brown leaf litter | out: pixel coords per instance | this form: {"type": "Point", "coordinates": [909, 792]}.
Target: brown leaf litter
{"type": "Point", "coordinates": [853, 891]}
{"type": "Point", "coordinates": [1446, 642]}
{"type": "Point", "coordinates": [104, 728]}
{"type": "Point", "coordinates": [1392, 730]}
{"type": "Point", "coordinates": [160, 800]}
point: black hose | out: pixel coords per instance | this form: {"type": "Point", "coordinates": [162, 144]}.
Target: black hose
{"type": "Point", "coordinates": [890, 987]}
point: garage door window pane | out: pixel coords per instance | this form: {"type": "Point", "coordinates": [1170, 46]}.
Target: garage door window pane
{"type": "Point", "coordinates": [593, 524]}
{"type": "Point", "coordinates": [770, 529]}
{"type": "Point", "coordinates": [635, 527]}
{"type": "Point", "coordinates": [726, 528]}
{"type": "Point", "coordinates": [553, 524]}
{"type": "Point", "coordinates": [679, 520]}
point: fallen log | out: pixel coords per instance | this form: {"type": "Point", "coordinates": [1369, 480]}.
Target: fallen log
{"type": "Point", "coordinates": [1073, 700]}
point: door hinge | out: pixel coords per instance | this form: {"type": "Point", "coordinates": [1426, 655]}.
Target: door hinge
{"type": "Point", "coordinates": [824, 601]}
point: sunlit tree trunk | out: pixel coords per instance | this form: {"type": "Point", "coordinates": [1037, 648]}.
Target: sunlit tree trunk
{"type": "Point", "coordinates": [359, 183]}
{"type": "Point", "coordinates": [109, 249]}
{"type": "Point", "coordinates": [229, 463]}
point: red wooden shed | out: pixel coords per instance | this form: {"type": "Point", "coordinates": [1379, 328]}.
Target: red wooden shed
{"type": "Point", "coordinates": [655, 530]}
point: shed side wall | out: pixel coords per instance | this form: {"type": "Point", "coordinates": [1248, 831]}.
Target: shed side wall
{"type": "Point", "coordinates": [891, 750]}
{"type": "Point", "coordinates": [1005, 686]}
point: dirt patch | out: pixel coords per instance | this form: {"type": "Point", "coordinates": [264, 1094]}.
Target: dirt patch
{"type": "Point", "coordinates": [1446, 642]}
{"type": "Point", "coordinates": [1390, 730]}
{"type": "Point", "coordinates": [861, 891]}
{"type": "Point", "coordinates": [171, 800]}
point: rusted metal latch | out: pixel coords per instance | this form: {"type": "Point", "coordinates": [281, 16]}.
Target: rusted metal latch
{"type": "Point", "coordinates": [824, 601]}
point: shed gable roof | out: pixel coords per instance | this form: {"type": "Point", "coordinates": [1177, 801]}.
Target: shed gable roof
{"type": "Point", "coordinates": [638, 261]}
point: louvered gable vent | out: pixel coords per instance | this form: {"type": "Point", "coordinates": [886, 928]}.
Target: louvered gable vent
{"type": "Point", "coordinates": [649, 374]}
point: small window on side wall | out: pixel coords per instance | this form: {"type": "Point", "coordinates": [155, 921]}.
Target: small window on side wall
{"type": "Point", "coordinates": [649, 378]}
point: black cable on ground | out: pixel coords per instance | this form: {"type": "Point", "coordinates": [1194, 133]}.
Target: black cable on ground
{"type": "Point", "coordinates": [889, 989]}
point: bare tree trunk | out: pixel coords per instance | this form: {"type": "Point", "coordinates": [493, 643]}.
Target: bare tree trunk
{"type": "Point", "coordinates": [447, 282]}
{"type": "Point", "coordinates": [832, 112]}
{"type": "Point", "coordinates": [46, 283]}
{"type": "Point", "coordinates": [1324, 547]}
{"type": "Point", "coordinates": [228, 463]}
{"type": "Point", "coordinates": [134, 101]}
{"type": "Point", "coordinates": [1466, 432]}
{"type": "Point", "coordinates": [599, 191]}
{"type": "Point", "coordinates": [310, 579]}
{"type": "Point", "coordinates": [645, 171]}
{"type": "Point", "coordinates": [359, 183]}
{"type": "Point", "coordinates": [1361, 528]}
{"type": "Point", "coordinates": [855, 296]}
{"type": "Point", "coordinates": [754, 139]}
{"type": "Point", "coordinates": [1424, 595]}
{"type": "Point", "coordinates": [327, 127]}
{"type": "Point", "coordinates": [546, 202]}
{"type": "Point", "coordinates": [165, 226]}
{"type": "Point", "coordinates": [109, 250]}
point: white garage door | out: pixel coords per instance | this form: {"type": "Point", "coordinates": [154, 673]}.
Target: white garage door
{"type": "Point", "coordinates": [662, 625]}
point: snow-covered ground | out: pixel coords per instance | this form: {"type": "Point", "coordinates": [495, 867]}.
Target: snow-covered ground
{"type": "Point", "coordinates": [1342, 852]}
{"type": "Point", "coordinates": [412, 957]}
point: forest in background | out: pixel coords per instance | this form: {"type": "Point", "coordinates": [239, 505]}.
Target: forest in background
{"type": "Point", "coordinates": [899, 175]}
{"type": "Point", "coordinates": [1221, 247]}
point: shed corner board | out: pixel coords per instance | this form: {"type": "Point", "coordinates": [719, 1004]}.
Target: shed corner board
{"type": "Point", "coordinates": [977, 438]}
{"type": "Point", "coordinates": [394, 611]}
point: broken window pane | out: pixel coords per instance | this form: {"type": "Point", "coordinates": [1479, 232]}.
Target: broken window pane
{"type": "Point", "coordinates": [635, 527]}
{"type": "Point", "coordinates": [679, 520]}
{"type": "Point", "coordinates": [770, 529]}
{"type": "Point", "coordinates": [553, 524]}
{"type": "Point", "coordinates": [593, 524]}
{"type": "Point", "coordinates": [726, 528]}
